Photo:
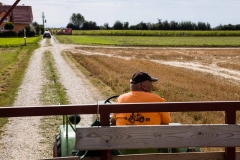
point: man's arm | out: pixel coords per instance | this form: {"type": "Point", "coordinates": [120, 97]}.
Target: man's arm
{"type": "Point", "coordinates": [164, 123]}
{"type": "Point", "coordinates": [166, 119]}
{"type": "Point", "coordinates": [113, 121]}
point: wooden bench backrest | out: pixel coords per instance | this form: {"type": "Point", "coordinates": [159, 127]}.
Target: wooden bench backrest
{"type": "Point", "coordinates": [130, 137]}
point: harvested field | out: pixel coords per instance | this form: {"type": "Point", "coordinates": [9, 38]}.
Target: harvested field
{"type": "Point", "coordinates": [184, 74]}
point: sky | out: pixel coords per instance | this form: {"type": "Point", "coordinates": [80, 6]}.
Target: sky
{"type": "Point", "coordinates": [58, 12]}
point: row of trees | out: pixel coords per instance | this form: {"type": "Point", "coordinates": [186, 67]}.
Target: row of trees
{"type": "Point", "coordinates": [77, 21]}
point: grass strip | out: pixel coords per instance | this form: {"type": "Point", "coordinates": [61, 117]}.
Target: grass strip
{"type": "Point", "coordinates": [154, 41]}
{"type": "Point", "coordinates": [13, 64]}
{"type": "Point", "coordinates": [16, 42]}
{"type": "Point", "coordinates": [53, 93]}
{"type": "Point", "coordinates": [168, 33]}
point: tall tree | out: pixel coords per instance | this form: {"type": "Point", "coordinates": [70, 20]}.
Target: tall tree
{"type": "Point", "coordinates": [118, 25]}
{"type": "Point", "coordinates": [70, 25]}
{"type": "Point", "coordinates": [125, 25]}
{"type": "Point", "coordinates": [77, 19]}
{"type": "Point", "coordinates": [106, 26]}
{"type": "Point", "coordinates": [173, 25]}
{"type": "Point", "coordinates": [90, 25]}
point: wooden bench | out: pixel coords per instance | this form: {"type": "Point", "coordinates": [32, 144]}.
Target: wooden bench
{"type": "Point", "coordinates": [172, 136]}
{"type": "Point", "coordinates": [63, 158]}
{"type": "Point", "coordinates": [225, 135]}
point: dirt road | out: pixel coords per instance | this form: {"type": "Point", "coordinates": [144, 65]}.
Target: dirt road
{"type": "Point", "coordinates": [21, 139]}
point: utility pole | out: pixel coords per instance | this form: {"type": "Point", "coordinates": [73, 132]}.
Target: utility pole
{"type": "Point", "coordinates": [43, 19]}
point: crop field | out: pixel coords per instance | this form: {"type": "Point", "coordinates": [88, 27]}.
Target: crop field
{"type": "Point", "coordinates": [153, 41]}
{"type": "Point", "coordinates": [168, 33]}
{"type": "Point", "coordinates": [184, 74]}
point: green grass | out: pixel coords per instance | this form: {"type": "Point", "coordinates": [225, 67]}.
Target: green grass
{"type": "Point", "coordinates": [8, 57]}
{"type": "Point", "coordinates": [152, 41]}
{"type": "Point", "coordinates": [171, 33]}
{"type": "Point", "coordinates": [13, 63]}
{"type": "Point", "coordinates": [53, 93]}
{"type": "Point", "coordinates": [14, 42]}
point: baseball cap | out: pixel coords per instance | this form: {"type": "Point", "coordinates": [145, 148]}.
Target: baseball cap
{"type": "Point", "coordinates": [140, 77]}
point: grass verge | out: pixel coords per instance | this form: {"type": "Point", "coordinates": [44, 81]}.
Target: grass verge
{"type": "Point", "coordinates": [14, 62]}
{"type": "Point", "coordinates": [52, 93]}
{"type": "Point", "coordinates": [16, 42]}
{"type": "Point", "coordinates": [152, 41]}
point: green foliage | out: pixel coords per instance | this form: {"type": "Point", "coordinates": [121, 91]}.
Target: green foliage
{"type": "Point", "coordinates": [77, 19]}
{"type": "Point", "coordinates": [152, 41]}
{"type": "Point", "coordinates": [89, 25]}
{"type": "Point", "coordinates": [16, 42]}
{"type": "Point", "coordinates": [8, 26]}
{"type": "Point", "coordinates": [106, 26]}
{"type": "Point", "coordinates": [70, 25]}
{"type": "Point", "coordinates": [118, 25]}
{"type": "Point", "coordinates": [30, 32]}
{"type": "Point", "coordinates": [53, 92]}
{"type": "Point", "coordinates": [164, 33]}
{"type": "Point", "coordinates": [14, 61]}
{"type": "Point", "coordinates": [8, 34]}
{"type": "Point", "coordinates": [38, 28]}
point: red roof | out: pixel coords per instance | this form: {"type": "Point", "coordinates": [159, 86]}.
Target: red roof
{"type": "Point", "coordinates": [20, 14]}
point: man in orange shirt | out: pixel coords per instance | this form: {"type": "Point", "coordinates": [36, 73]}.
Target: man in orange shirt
{"type": "Point", "coordinates": [141, 87]}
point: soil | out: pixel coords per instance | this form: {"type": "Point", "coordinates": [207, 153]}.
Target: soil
{"type": "Point", "coordinates": [21, 139]}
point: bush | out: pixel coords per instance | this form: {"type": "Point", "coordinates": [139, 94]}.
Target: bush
{"type": "Point", "coordinates": [8, 34]}
{"type": "Point", "coordinates": [30, 32]}
{"type": "Point", "coordinates": [20, 33]}
{"type": "Point", "coordinates": [9, 26]}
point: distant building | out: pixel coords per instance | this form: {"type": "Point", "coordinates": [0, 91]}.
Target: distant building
{"type": "Point", "coordinates": [66, 31]}
{"type": "Point", "coordinates": [20, 16]}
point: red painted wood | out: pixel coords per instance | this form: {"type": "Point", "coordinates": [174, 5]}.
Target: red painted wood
{"type": "Point", "coordinates": [118, 108]}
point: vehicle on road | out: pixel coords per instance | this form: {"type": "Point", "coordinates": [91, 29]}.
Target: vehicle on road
{"type": "Point", "coordinates": [47, 34]}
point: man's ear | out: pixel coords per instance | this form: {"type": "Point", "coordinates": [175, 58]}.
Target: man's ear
{"type": "Point", "coordinates": [143, 85]}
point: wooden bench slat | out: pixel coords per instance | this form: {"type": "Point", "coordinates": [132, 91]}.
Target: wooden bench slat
{"type": "Point", "coordinates": [130, 137]}
{"type": "Point", "coordinates": [171, 156]}
{"type": "Point", "coordinates": [63, 158]}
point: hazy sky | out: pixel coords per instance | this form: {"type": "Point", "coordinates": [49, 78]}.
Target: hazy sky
{"type": "Point", "coordinates": [58, 12]}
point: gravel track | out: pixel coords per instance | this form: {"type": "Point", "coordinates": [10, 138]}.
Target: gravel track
{"type": "Point", "coordinates": [21, 139]}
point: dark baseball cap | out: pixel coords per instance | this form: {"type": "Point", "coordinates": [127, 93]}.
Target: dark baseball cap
{"type": "Point", "coordinates": [140, 77]}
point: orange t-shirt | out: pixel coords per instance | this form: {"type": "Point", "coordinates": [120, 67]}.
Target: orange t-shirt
{"type": "Point", "coordinates": [146, 118]}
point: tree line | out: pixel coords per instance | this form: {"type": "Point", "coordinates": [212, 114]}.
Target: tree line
{"type": "Point", "coordinates": [78, 22]}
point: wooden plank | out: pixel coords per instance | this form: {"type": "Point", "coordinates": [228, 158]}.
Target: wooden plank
{"type": "Point", "coordinates": [160, 156]}
{"type": "Point", "coordinates": [171, 156]}
{"type": "Point", "coordinates": [23, 111]}
{"type": "Point", "coordinates": [125, 137]}
{"type": "Point", "coordinates": [63, 158]}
